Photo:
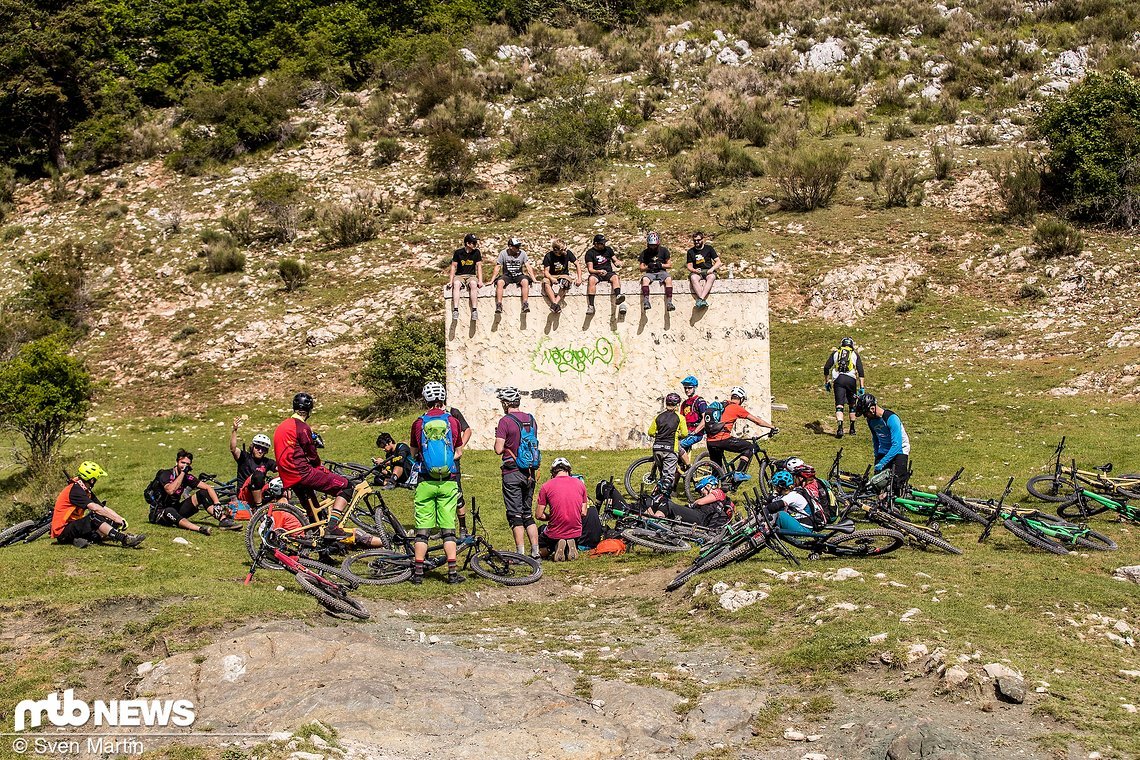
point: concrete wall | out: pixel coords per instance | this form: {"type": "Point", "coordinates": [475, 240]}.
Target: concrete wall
{"type": "Point", "coordinates": [595, 382]}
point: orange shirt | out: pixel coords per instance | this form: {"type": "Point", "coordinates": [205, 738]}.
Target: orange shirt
{"type": "Point", "coordinates": [732, 412]}
{"type": "Point", "coordinates": [70, 505]}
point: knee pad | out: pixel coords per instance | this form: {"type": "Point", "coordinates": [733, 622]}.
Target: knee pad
{"type": "Point", "coordinates": [839, 408]}
{"type": "Point", "coordinates": [528, 521]}
{"type": "Point", "coordinates": [345, 493]}
{"type": "Point", "coordinates": [516, 522]}
{"type": "Point", "coordinates": [448, 535]}
{"type": "Point", "coordinates": [422, 535]}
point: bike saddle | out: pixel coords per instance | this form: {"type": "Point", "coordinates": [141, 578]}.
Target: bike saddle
{"type": "Point", "coordinates": [843, 526]}
{"type": "Point", "coordinates": [1105, 468]}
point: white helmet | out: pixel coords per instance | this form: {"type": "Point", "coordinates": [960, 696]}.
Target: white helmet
{"type": "Point", "coordinates": [510, 394]}
{"type": "Point", "coordinates": [738, 392]}
{"type": "Point", "coordinates": [561, 462]}
{"type": "Point", "coordinates": [274, 488]}
{"type": "Point", "coordinates": [793, 464]}
{"type": "Point", "coordinates": [434, 391]}
{"type": "Point", "coordinates": [261, 439]}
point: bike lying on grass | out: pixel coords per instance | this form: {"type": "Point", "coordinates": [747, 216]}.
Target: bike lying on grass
{"type": "Point", "coordinates": [329, 585]}
{"type": "Point", "coordinates": [1061, 485]}
{"type": "Point", "coordinates": [26, 531]}
{"type": "Point", "coordinates": [1086, 504]}
{"type": "Point", "coordinates": [384, 567]}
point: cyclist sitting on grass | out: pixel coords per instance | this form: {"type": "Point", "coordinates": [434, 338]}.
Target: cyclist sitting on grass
{"type": "Point", "coordinates": [792, 507]}
{"type": "Point", "coordinates": [170, 504]}
{"type": "Point", "coordinates": [891, 443]}
{"type": "Point", "coordinates": [80, 517]}
{"type": "Point", "coordinates": [563, 502]}
{"type": "Point", "coordinates": [712, 509]}
{"type": "Point", "coordinates": [720, 438]}
{"type": "Point", "coordinates": [252, 466]}
{"type": "Point", "coordinates": [693, 409]}
{"type": "Point", "coordinates": [398, 457]}
{"type": "Point", "coordinates": [805, 480]}
{"type": "Point", "coordinates": [436, 446]}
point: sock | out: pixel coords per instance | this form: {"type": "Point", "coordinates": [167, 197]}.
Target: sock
{"type": "Point", "coordinates": [590, 299]}
{"type": "Point", "coordinates": [668, 292]}
{"type": "Point", "coordinates": [334, 521]}
{"type": "Point", "coordinates": [645, 291]}
{"type": "Point", "coordinates": [462, 523]}
{"type": "Point", "coordinates": [617, 291]}
{"type": "Point", "coordinates": [451, 567]}
{"type": "Point", "coordinates": [419, 568]}
{"type": "Point", "coordinates": [520, 549]}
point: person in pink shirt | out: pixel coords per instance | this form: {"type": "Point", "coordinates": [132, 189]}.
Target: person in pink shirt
{"type": "Point", "coordinates": [562, 502]}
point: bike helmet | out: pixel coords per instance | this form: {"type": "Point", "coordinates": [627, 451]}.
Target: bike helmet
{"type": "Point", "coordinates": [510, 394]}
{"type": "Point", "coordinates": [652, 238]}
{"type": "Point", "coordinates": [90, 471]}
{"type": "Point", "coordinates": [782, 479]}
{"type": "Point", "coordinates": [274, 489]}
{"type": "Point", "coordinates": [434, 391]}
{"type": "Point", "coordinates": [707, 481]}
{"type": "Point", "coordinates": [793, 464]}
{"type": "Point", "coordinates": [864, 404]}
{"type": "Point", "coordinates": [514, 243]}
{"type": "Point", "coordinates": [599, 239]}
{"type": "Point", "coordinates": [738, 392]}
{"type": "Point", "coordinates": [561, 462]}
{"type": "Point", "coordinates": [806, 471]}
{"type": "Point", "coordinates": [302, 402]}
{"type": "Point", "coordinates": [847, 343]}
{"type": "Point", "coordinates": [673, 399]}
{"type": "Point", "coordinates": [470, 238]}
{"type": "Point", "coordinates": [261, 439]}
{"type": "Point", "coordinates": [690, 382]}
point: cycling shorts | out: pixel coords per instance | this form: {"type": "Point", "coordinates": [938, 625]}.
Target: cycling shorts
{"type": "Point", "coordinates": [661, 276]}
{"type": "Point", "coordinates": [690, 441]}
{"type": "Point", "coordinates": [845, 388]}
{"type": "Point", "coordinates": [605, 277]}
{"type": "Point", "coordinates": [436, 504]}
{"type": "Point", "coordinates": [325, 481]}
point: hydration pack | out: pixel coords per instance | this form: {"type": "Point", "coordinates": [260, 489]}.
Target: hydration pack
{"type": "Point", "coordinates": [528, 456]}
{"type": "Point", "coordinates": [843, 362]}
{"type": "Point", "coordinates": [437, 447]}
{"type": "Point", "coordinates": [713, 425]}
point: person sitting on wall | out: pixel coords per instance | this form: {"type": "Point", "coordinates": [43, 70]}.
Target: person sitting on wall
{"type": "Point", "coordinates": [556, 273]}
{"type": "Point", "coordinates": [702, 262]}
{"type": "Point", "coordinates": [512, 268]}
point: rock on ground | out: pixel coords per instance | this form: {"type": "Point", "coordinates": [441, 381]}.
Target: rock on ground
{"type": "Point", "coordinates": [1130, 573]}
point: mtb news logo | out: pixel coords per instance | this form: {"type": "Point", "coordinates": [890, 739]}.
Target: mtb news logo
{"type": "Point", "coordinates": [71, 712]}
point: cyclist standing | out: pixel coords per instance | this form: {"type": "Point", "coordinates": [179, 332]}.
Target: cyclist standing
{"type": "Point", "coordinates": [693, 410]}
{"type": "Point", "coordinates": [654, 265]}
{"type": "Point", "coordinates": [466, 271]}
{"type": "Point", "coordinates": [719, 431]}
{"type": "Point", "coordinates": [80, 517]}
{"type": "Point", "coordinates": [556, 273]}
{"type": "Point", "coordinates": [602, 265]}
{"type": "Point", "coordinates": [437, 448]}
{"type": "Point", "coordinates": [253, 465]}
{"type": "Point", "coordinates": [891, 443]}
{"type": "Point", "coordinates": [667, 429]}
{"type": "Point", "coordinates": [518, 481]}
{"type": "Point", "coordinates": [844, 370]}
{"type": "Point", "coordinates": [702, 262]}
{"type": "Point", "coordinates": [300, 466]}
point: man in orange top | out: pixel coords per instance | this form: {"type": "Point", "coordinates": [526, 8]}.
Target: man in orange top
{"type": "Point", "coordinates": [720, 438]}
{"type": "Point", "coordinates": [299, 464]}
{"type": "Point", "coordinates": [80, 518]}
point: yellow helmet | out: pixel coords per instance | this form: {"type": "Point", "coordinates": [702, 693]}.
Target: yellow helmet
{"type": "Point", "coordinates": [90, 471]}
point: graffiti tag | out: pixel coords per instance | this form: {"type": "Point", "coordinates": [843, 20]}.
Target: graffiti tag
{"type": "Point", "coordinates": [579, 359]}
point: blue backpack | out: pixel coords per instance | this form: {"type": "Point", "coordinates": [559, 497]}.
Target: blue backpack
{"type": "Point", "coordinates": [528, 456]}
{"type": "Point", "coordinates": [437, 447]}
{"type": "Point", "coordinates": [713, 425]}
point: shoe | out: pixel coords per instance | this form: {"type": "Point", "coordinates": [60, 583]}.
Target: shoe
{"type": "Point", "coordinates": [620, 298]}
{"type": "Point", "coordinates": [571, 549]}
{"type": "Point", "coordinates": [852, 430]}
{"type": "Point", "coordinates": [454, 578]}
{"type": "Point", "coordinates": [535, 556]}
{"type": "Point", "coordinates": [589, 310]}
{"type": "Point", "coordinates": [560, 551]}
{"type": "Point", "coordinates": [526, 307]}
{"type": "Point", "coordinates": [80, 543]}
{"type": "Point", "coordinates": [645, 305]}
{"type": "Point", "coordinates": [227, 523]}
{"type": "Point", "coordinates": [621, 309]}
{"type": "Point", "coordinates": [131, 540]}
{"type": "Point", "coordinates": [204, 530]}
{"type": "Point", "coordinates": [740, 477]}
{"type": "Point", "coordinates": [455, 315]}
{"type": "Point", "coordinates": [498, 308]}
{"type": "Point", "coordinates": [417, 579]}
{"type": "Point", "coordinates": [669, 305]}
{"type": "Point", "coordinates": [474, 315]}
{"type": "Point", "coordinates": [702, 303]}
{"type": "Point", "coordinates": [839, 431]}
{"type": "Point", "coordinates": [556, 308]}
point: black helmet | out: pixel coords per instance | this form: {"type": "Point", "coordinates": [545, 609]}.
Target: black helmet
{"type": "Point", "coordinates": [847, 343]}
{"type": "Point", "coordinates": [302, 402]}
{"type": "Point", "coordinates": [864, 403]}
{"type": "Point", "coordinates": [470, 238]}
{"type": "Point", "coordinates": [672, 399]}
{"type": "Point", "coordinates": [599, 239]}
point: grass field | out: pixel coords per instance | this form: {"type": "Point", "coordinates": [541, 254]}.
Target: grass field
{"type": "Point", "coordinates": [85, 618]}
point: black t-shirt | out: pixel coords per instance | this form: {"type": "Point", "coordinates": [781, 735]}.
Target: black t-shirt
{"type": "Point", "coordinates": [165, 477]}
{"type": "Point", "coordinates": [667, 423]}
{"type": "Point", "coordinates": [602, 261]}
{"type": "Point", "coordinates": [701, 258]}
{"type": "Point", "coordinates": [558, 263]}
{"type": "Point", "coordinates": [458, 415]}
{"type": "Point", "coordinates": [403, 458]}
{"type": "Point", "coordinates": [247, 465]}
{"type": "Point", "coordinates": [466, 261]}
{"type": "Point", "coordinates": [654, 260]}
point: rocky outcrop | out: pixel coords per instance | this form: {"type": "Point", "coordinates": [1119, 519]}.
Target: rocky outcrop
{"type": "Point", "coordinates": [845, 294]}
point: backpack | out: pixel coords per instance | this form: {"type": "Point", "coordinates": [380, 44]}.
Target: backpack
{"type": "Point", "coordinates": [608, 546]}
{"type": "Point", "coordinates": [713, 425]}
{"type": "Point", "coordinates": [437, 447]}
{"type": "Point", "coordinates": [528, 456]}
{"type": "Point", "coordinates": [843, 362]}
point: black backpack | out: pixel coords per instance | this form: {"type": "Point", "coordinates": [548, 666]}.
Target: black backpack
{"type": "Point", "coordinates": [155, 494]}
{"type": "Point", "coordinates": [843, 363]}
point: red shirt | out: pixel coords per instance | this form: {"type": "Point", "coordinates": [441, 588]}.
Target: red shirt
{"type": "Point", "coordinates": [732, 412]}
{"type": "Point", "coordinates": [296, 452]}
{"type": "Point", "coordinates": [565, 495]}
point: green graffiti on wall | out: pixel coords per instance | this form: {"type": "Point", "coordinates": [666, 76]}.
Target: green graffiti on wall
{"type": "Point", "coordinates": [582, 359]}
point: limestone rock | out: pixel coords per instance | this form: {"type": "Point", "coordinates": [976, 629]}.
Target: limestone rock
{"type": "Point", "coordinates": [930, 741]}
{"type": "Point", "coordinates": [955, 676]}
{"type": "Point", "coordinates": [1130, 573]}
{"type": "Point", "coordinates": [1011, 687]}
{"type": "Point", "coordinates": [725, 714]}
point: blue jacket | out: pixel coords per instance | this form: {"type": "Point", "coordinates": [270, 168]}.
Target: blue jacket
{"type": "Point", "coordinates": [889, 438]}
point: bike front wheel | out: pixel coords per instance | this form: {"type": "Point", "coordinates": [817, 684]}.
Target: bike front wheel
{"type": "Point", "coordinates": [16, 532]}
{"type": "Point", "coordinates": [865, 543]}
{"type": "Point", "coordinates": [658, 542]}
{"type": "Point", "coordinates": [641, 477]}
{"type": "Point", "coordinates": [1035, 537]}
{"type": "Point", "coordinates": [722, 558]}
{"type": "Point", "coordinates": [1050, 488]}
{"type": "Point", "coordinates": [379, 567]}
{"type": "Point", "coordinates": [700, 468]}
{"type": "Point", "coordinates": [333, 598]}
{"type": "Point", "coordinates": [507, 568]}
{"type": "Point", "coordinates": [255, 526]}
{"type": "Point", "coordinates": [923, 536]}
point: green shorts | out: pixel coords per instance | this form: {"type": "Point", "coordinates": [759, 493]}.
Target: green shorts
{"type": "Point", "coordinates": [436, 502]}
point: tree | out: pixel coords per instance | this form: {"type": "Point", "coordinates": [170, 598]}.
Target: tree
{"type": "Point", "coordinates": [44, 396]}
{"type": "Point", "coordinates": [1093, 133]}
{"type": "Point", "coordinates": [401, 361]}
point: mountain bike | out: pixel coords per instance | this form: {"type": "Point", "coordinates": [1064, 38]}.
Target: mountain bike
{"type": "Point", "coordinates": [385, 567]}
{"type": "Point", "coordinates": [643, 475]}
{"type": "Point", "coordinates": [841, 538]}
{"type": "Point", "coordinates": [225, 489]}
{"type": "Point", "coordinates": [733, 474]}
{"type": "Point", "coordinates": [329, 585]}
{"type": "Point", "coordinates": [737, 542]}
{"type": "Point", "coordinates": [1042, 531]}
{"type": "Point", "coordinates": [26, 531]}
{"type": "Point", "coordinates": [1061, 485]}
{"type": "Point", "coordinates": [1088, 503]}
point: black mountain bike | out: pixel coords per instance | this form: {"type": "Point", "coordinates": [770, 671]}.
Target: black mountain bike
{"type": "Point", "coordinates": [733, 475]}
{"type": "Point", "coordinates": [26, 531]}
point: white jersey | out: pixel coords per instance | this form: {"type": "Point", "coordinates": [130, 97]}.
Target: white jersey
{"type": "Point", "coordinates": [796, 505]}
{"type": "Point", "coordinates": [852, 367]}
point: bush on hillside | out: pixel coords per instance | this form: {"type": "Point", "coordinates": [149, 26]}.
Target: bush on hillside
{"type": "Point", "coordinates": [669, 140]}
{"type": "Point", "coordinates": [564, 138]}
{"type": "Point", "coordinates": [401, 361]}
{"type": "Point", "coordinates": [1053, 238]}
{"type": "Point", "coordinates": [464, 114]}
{"type": "Point", "coordinates": [507, 206]}
{"type": "Point", "coordinates": [711, 163]}
{"type": "Point", "coordinates": [941, 159]}
{"type": "Point", "coordinates": [57, 293]}
{"type": "Point", "coordinates": [1093, 134]}
{"type": "Point", "coordinates": [808, 177]}
{"type": "Point", "coordinates": [1019, 184]}
{"type": "Point", "coordinates": [450, 161]}
{"type": "Point", "coordinates": [387, 152]}
{"type": "Point", "coordinates": [898, 184]}
{"type": "Point", "coordinates": [278, 196]}
{"type": "Point", "coordinates": [350, 224]}
{"type": "Point", "coordinates": [223, 257]}
{"type": "Point", "coordinates": [293, 273]}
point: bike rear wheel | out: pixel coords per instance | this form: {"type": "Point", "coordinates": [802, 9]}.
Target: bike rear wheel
{"type": "Point", "coordinates": [1050, 488]}
{"type": "Point", "coordinates": [253, 530]}
{"type": "Point", "coordinates": [379, 567]}
{"type": "Point", "coordinates": [371, 516]}
{"type": "Point", "coordinates": [332, 598]}
{"type": "Point", "coordinates": [1035, 537]}
{"type": "Point", "coordinates": [658, 542]}
{"type": "Point", "coordinates": [329, 572]}
{"type": "Point", "coordinates": [701, 467]}
{"type": "Point", "coordinates": [961, 508]}
{"type": "Point", "coordinates": [1081, 535]}
{"type": "Point", "coordinates": [924, 536]}
{"type": "Point", "coordinates": [641, 477]}
{"type": "Point", "coordinates": [737, 553]}
{"type": "Point", "coordinates": [507, 568]}
{"type": "Point", "coordinates": [17, 532]}
{"type": "Point", "coordinates": [1081, 507]}
{"type": "Point", "coordinates": [865, 543]}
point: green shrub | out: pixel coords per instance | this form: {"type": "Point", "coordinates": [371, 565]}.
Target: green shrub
{"type": "Point", "coordinates": [1029, 292]}
{"type": "Point", "coordinates": [462, 113]}
{"type": "Point", "coordinates": [825, 88]}
{"type": "Point", "coordinates": [563, 139]}
{"type": "Point", "coordinates": [742, 216]}
{"type": "Point", "coordinates": [898, 184]}
{"type": "Point", "coordinates": [223, 257]}
{"type": "Point", "coordinates": [981, 135]}
{"type": "Point", "coordinates": [401, 360]}
{"type": "Point", "coordinates": [57, 286]}
{"type": "Point", "coordinates": [377, 111]}
{"type": "Point", "coordinates": [808, 177]}
{"type": "Point", "coordinates": [904, 306]}
{"type": "Point", "coordinates": [897, 129]}
{"type": "Point", "coordinates": [941, 159]}
{"type": "Point", "coordinates": [1053, 238]}
{"type": "Point", "coordinates": [942, 111]}
{"type": "Point", "coordinates": [588, 201]}
{"type": "Point", "coordinates": [293, 273]}
{"type": "Point", "coordinates": [11, 232]}
{"type": "Point", "coordinates": [714, 161]}
{"type": "Point", "coordinates": [671, 140]}
{"type": "Point", "coordinates": [350, 225]}
{"type": "Point", "coordinates": [1019, 184]}
{"type": "Point", "coordinates": [507, 206]}
{"type": "Point", "coordinates": [434, 84]}
{"type": "Point", "coordinates": [450, 161]}
{"type": "Point", "coordinates": [1093, 134]}
{"type": "Point", "coordinates": [240, 227]}
{"type": "Point", "coordinates": [278, 196]}
{"type": "Point", "coordinates": [388, 151]}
